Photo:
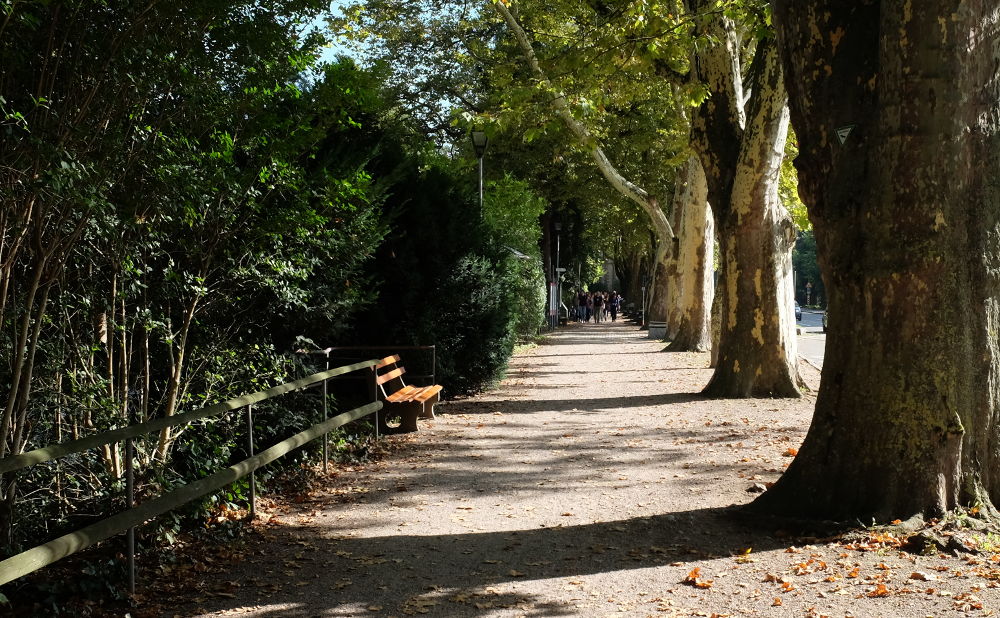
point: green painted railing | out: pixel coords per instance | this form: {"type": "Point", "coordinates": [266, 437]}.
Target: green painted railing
{"type": "Point", "coordinates": [43, 555]}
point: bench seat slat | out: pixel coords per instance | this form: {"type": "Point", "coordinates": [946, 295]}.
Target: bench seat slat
{"type": "Point", "coordinates": [403, 394]}
{"type": "Point", "coordinates": [428, 392]}
{"type": "Point", "coordinates": [414, 393]}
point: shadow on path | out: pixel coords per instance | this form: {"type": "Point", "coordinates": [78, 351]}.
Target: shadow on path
{"type": "Point", "coordinates": [454, 572]}
{"type": "Point", "coordinates": [568, 485]}
{"type": "Point", "coordinates": [485, 405]}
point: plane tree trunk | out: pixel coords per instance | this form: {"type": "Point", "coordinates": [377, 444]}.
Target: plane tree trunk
{"type": "Point", "coordinates": [897, 112]}
{"type": "Point", "coordinates": [691, 311]}
{"type": "Point", "coordinates": [664, 279]}
{"type": "Point", "coordinates": [741, 151]}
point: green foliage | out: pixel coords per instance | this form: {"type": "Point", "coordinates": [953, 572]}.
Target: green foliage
{"type": "Point", "coordinates": [529, 297]}
{"type": "Point", "coordinates": [788, 185]}
{"type": "Point", "coordinates": [189, 215]}
{"type": "Point", "coordinates": [440, 276]}
{"type": "Point", "coordinates": [474, 321]}
{"type": "Point", "coordinates": [623, 71]}
{"type": "Point", "coordinates": [806, 267]}
{"type": "Point", "coordinates": [511, 211]}
{"type": "Point", "coordinates": [186, 193]}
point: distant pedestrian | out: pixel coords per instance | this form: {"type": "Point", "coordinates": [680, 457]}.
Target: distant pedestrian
{"type": "Point", "coordinates": [598, 307]}
{"type": "Point", "coordinates": [590, 305]}
{"type": "Point", "coordinates": [613, 304]}
{"type": "Point", "coordinates": [581, 306]}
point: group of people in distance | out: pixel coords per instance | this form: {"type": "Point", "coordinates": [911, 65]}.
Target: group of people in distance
{"type": "Point", "coordinates": [597, 305]}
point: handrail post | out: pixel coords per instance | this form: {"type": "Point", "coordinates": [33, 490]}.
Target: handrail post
{"type": "Point", "coordinates": [373, 393]}
{"type": "Point", "coordinates": [253, 476]}
{"type": "Point", "coordinates": [129, 503]}
{"type": "Point", "coordinates": [326, 436]}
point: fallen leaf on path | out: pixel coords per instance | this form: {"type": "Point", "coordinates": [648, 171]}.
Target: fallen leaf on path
{"type": "Point", "coordinates": [694, 579]}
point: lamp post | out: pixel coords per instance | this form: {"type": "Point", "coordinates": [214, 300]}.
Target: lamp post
{"type": "Point", "coordinates": [479, 143]}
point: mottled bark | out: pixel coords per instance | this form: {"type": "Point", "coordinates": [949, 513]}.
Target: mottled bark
{"type": "Point", "coordinates": [632, 282]}
{"type": "Point", "coordinates": [674, 298]}
{"type": "Point", "coordinates": [907, 217]}
{"type": "Point", "coordinates": [664, 269]}
{"type": "Point", "coordinates": [692, 310]}
{"type": "Point", "coordinates": [741, 151]}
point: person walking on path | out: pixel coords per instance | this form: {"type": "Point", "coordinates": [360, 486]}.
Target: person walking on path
{"type": "Point", "coordinates": [598, 307]}
{"type": "Point", "coordinates": [590, 305]}
{"type": "Point", "coordinates": [581, 309]}
{"type": "Point", "coordinates": [613, 301]}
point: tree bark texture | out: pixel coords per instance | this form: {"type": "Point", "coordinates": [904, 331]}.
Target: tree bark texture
{"type": "Point", "coordinates": [664, 269]}
{"type": "Point", "coordinates": [897, 111]}
{"type": "Point", "coordinates": [631, 275]}
{"type": "Point", "coordinates": [674, 289]}
{"type": "Point", "coordinates": [741, 152]}
{"type": "Point", "coordinates": [692, 311]}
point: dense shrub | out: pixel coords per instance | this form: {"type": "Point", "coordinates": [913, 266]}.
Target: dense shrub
{"type": "Point", "coordinates": [209, 206]}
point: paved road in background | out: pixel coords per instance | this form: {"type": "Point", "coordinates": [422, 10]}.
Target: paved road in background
{"type": "Point", "coordinates": [812, 340]}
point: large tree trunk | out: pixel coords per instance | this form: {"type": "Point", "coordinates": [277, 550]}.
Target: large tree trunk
{"type": "Point", "coordinates": [692, 311]}
{"type": "Point", "coordinates": [741, 153]}
{"type": "Point", "coordinates": [663, 279]}
{"type": "Point", "coordinates": [899, 134]}
{"type": "Point", "coordinates": [674, 291]}
{"type": "Point", "coordinates": [633, 288]}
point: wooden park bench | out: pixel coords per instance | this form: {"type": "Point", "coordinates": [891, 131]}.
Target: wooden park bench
{"type": "Point", "coordinates": [400, 399]}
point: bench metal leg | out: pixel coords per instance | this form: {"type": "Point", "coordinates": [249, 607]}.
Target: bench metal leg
{"type": "Point", "coordinates": [428, 407]}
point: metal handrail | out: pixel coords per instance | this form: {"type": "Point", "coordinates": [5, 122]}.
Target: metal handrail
{"type": "Point", "coordinates": [379, 348]}
{"type": "Point", "coordinates": [48, 453]}
{"type": "Point", "coordinates": [43, 555]}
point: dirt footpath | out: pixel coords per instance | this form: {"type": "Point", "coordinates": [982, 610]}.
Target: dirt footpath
{"type": "Point", "coordinates": [595, 481]}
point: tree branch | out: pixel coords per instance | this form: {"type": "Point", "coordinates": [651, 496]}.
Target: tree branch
{"type": "Point", "coordinates": [561, 107]}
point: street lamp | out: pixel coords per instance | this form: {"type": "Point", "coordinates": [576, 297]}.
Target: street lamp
{"type": "Point", "coordinates": [479, 143]}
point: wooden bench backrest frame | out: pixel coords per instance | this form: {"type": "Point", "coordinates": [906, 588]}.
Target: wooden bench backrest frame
{"type": "Point", "coordinates": [396, 373]}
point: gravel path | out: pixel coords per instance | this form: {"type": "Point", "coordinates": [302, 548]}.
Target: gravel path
{"type": "Point", "coordinates": [592, 482]}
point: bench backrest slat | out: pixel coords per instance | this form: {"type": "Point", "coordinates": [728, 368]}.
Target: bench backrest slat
{"type": "Point", "coordinates": [388, 360]}
{"type": "Point", "coordinates": [392, 375]}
